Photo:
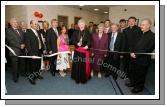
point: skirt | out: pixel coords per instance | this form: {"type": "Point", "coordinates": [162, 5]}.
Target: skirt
{"type": "Point", "coordinates": [80, 66]}
{"type": "Point", "coordinates": [62, 61]}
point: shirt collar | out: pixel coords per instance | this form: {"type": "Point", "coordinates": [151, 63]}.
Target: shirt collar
{"type": "Point", "coordinates": [115, 34]}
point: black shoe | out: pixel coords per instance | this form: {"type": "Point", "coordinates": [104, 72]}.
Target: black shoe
{"type": "Point", "coordinates": [129, 85]}
{"type": "Point", "coordinates": [32, 81]}
{"type": "Point", "coordinates": [53, 73]}
{"type": "Point", "coordinates": [106, 75]}
{"type": "Point", "coordinates": [15, 80]}
{"type": "Point", "coordinates": [115, 77]}
{"type": "Point", "coordinates": [39, 77]}
{"type": "Point", "coordinates": [135, 90]}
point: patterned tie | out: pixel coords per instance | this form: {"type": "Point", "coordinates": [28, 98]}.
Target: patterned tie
{"type": "Point", "coordinates": [112, 42]}
{"type": "Point", "coordinates": [56, 32]}
{"type": "Point", "coordinates": [17, 32]}
{"type": "Point", "coordinates": [36, 33]}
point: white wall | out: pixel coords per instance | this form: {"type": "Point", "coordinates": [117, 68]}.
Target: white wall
{"type": "Point", "coordinates": [50, 12]}
{"type": "Point", "coordinates": [139, 11]}
{"type": "Point", "coordinates": [19, 12]}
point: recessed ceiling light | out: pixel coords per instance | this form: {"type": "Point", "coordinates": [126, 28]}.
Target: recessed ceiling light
{"type": "Point", "coordinates": [96, 9]}
{"type": "Point", "coordinates": [81, 5]}
{"type": "Point", "coordinates": [106, 12]}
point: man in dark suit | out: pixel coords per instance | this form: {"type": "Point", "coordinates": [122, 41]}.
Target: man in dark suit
{"type": "Point", "coordinates": [132, 35]}
{"type": "Point", "coordinates": [140, 62]}
{"type": "Point", "coordinates": [116, 43]}
{"type": "Point", "coordinates": [34, 46]}
{"type": "Point", "coordinates": [51, 41]}
{"type": "Point", "coordinates": [70, 32]}
{"type": "Point", "coordinates": [23, 61]}
{"type": "Point", "coordinates": [14, 39]}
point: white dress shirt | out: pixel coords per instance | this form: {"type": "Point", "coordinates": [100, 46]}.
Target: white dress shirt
{"type": "Point", "coordinates": [36, 33]}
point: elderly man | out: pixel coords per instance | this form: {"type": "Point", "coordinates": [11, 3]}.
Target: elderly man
{"type": "Point", "coordinates": [115, 43]}
{"type": "Point", "coordinates": [140, 62]}
{"type": "Point", "coordinates": [14, 39]}
{"type": "Point", "coordinates": [81, 67]}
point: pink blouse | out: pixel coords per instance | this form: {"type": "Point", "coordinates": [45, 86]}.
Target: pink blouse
{"type": "Point", "coordinates": [63, 46]}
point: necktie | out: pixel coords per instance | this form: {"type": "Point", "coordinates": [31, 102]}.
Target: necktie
{"type": "Point", "coordinates": [112, 43]}
{"type": "Point", "coordinates": [17, 32]}
{"type": "Point", "coordinates": [56, 32]}
{"type": "Point", "coordinates": [38, 39]}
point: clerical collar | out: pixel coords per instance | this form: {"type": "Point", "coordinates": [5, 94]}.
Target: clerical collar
{"type": "Point", "coordinates": [146, 32]}
{"type": "Point", "coordinates": [132, 27]}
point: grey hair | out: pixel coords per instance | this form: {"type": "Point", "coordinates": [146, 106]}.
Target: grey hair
{"type": "Point", "coordinates": [101, 25]}
{"type": "Point", "coordinates": [12, 19]}
{"type": "Point", "coordinates": [81, 21]}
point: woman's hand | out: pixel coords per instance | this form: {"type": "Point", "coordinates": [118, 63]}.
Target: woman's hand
{"type": "Point", "coordinates": [92, 54]}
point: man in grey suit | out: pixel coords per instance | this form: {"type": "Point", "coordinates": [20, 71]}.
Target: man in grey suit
{"type": "Point", "coordinates": [14, 39]}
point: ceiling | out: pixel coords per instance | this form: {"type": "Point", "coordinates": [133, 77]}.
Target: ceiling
{"type": "Point", "coordinates": [102, 8]}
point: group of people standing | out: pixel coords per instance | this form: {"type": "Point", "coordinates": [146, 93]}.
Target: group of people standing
{"type": "Point", "coordinates": [95, 46]}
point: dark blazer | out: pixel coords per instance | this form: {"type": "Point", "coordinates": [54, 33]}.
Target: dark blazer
{"type": "Point", "coordinates": [85, 41]}
{"type": "Point", "coordinates": [132, 35]}
{"type": "Point", "coordinates": [146, 44]}
{"type": "Point", "coordinates": [119, 44]}
{"type": "Point", "coordinates": [13, 40]}
{"type": "Point", "coordinates": [51, 40]}
{"type": "Point", "coordinates": [32, 43]}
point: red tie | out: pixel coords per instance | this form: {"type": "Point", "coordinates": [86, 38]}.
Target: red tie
{"type": "Point", "coordinates": [17, 32]}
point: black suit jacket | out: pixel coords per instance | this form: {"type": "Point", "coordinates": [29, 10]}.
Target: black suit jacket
{"type": "Point", "coordinates": [146, 44]}
{"type": "Point", "coordinates": [51, 40]}
{"type": "Point", "coordinates": [119, 44]}
{"type": "Point", "coordinates": [13, 40]}
{"type": "Point", "coordinates": [32, 43]}
{"type": "Point", "coordinates": [85, 41]}
{"type": "Point", "coordinates": [132, 35]}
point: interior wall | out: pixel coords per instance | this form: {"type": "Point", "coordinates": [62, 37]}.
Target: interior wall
{"type": "Point", "coordinates": [26, 12]}
{"type": "Point", "coordinates": [139, 11]}
{"type": "Point", "coordinates": [18, 12]}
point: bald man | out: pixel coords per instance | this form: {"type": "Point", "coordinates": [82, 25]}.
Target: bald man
{"type": "Point", "coordinates": [139, 63]}
{"type": "Point", "coordinates": [35, 47]}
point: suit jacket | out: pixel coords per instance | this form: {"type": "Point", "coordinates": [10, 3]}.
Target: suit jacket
{"type": "Point", "coordinates": [85, 40]}
{"type": "Point", "coordinates": [132, 35]}
{"type": "Point", "coordinates": [51, 40]}
{"type": "Point", "coordinates": [13, 40]}
{"type": "Point", "coordinates": [146, 44]}
{"type": "Point", "coordinates": [119, 42]}
{"type": "Point", "coordinates": [32, 43]}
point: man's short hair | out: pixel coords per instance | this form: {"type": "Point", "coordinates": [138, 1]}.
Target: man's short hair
{"type": "Point", "coordinates": [12, 19]}
{"type": "Point", "coordinates": [148, 20]}
{"type": "Point", "coordinates": [53, 20]}
{"type": "Point", "coordinates": [107, 20]}
{"type": "Point", "coordinates": [122, 20]}
{"type": "Point", "coordinates": [132, 17]}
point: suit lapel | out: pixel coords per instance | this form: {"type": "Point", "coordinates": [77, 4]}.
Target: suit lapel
{"type": "Point", "coordinates": [15, 34]}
